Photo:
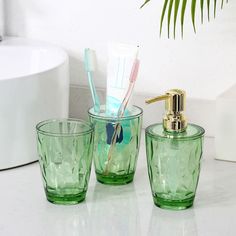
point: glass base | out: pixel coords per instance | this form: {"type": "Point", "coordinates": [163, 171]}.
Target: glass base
{"type": "Point", "coordinates": [68, 199]}
{"type": "Point", "coordinates": [115, 179]}
{"type": "Point", "coordinates": [173, 204]}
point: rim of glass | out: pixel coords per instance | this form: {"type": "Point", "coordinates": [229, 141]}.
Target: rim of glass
{"type": "Point", "coordinates": [45, 122]}
{"type": "Point", "coordinates": [194, 136]}
{"type": "Point", "coordinates": [116, 118]}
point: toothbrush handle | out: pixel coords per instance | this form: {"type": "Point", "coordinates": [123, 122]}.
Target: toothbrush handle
{"type": "Point", "coordinates": [132, 79]}
{"type": "Point", "coordinates": [126, 100]}
{"type": "Point", "coordinates": [93, 92]}
{"type": "Point", "coordinates": [117, 129]}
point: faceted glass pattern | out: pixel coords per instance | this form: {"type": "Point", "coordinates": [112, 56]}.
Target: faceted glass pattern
{"type": "Point", "coordinates": [120, 168]}
{"type": "Point", "coordinates": [65, 156]}
{"type": "Point", "coordinates": [173, 161]}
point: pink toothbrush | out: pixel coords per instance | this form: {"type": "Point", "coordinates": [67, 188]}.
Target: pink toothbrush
{"type": "Point", "coordinates": [117, 128]}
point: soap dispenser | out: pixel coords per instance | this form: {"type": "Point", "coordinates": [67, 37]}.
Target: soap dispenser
{"type": "Point", "coordinates": [174, 150]}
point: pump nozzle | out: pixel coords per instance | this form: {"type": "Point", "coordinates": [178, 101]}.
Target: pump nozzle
{"type": "Point", "coordinates": [174, 119]}
{"type": "Point", "coordinates": [158, 98]}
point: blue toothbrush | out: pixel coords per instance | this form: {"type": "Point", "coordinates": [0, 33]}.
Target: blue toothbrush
{"type": "Point", "coordinates": [89, 64]}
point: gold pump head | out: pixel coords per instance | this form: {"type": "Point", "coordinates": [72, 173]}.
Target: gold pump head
{"type": "Point", "coordinates": [174, 119]}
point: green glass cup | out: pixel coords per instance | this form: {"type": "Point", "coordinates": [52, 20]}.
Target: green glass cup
{"type": "Point", "coordinates": [65, 155]}
{"type": "Point", "coordinates": [115, 162]}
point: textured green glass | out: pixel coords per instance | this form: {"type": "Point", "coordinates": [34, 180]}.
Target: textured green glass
{"type": "Point", "coordinates": [173, 161]}
{"type": "Point", "coordinates": [65, 156]}
{"type": "Point", "coordinates": [120, 168]}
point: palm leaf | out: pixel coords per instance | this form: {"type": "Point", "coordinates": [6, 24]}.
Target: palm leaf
{"type": "Point", "coordinates": [193, 9]}
{"type": "Point", "coordinates": [184, 3]}
{"type": "Point", "coordinates": [163, 14]}
{"type": "Point", "coordinates": [222, 3]}
{"type": "Point", "coordinates": [176, 3]}
{"type": "Point", "coordinates": [208, 10]}
{"type": "Point", "coordinates": [146, 1]}
{"type": "Point", "coordinates": [175, 14]}
{"type": "Point", "coordinates": [201, 7]}
{"type": "Point", "coordinates": [215, 8]}
{"type": "Point", "coordinates": [169, 16]}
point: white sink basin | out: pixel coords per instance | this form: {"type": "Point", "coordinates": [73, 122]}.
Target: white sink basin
{"type": "Point", "coordinates": [34, 86]}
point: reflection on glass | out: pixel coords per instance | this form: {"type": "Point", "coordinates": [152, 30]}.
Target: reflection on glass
{"type": "Point", "coordinates": [67, 220]}
{"type": "Point", "coordinates": [169, 223]}
{"type": "Point", "coordinates": [114, 211]}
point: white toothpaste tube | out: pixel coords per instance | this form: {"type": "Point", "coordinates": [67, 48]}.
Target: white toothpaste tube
{"type": "Point", "coordinates": [120, 61]}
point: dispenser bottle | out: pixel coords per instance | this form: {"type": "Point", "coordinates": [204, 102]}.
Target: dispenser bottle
{"type": "Point", "coordinates": [174, 150]}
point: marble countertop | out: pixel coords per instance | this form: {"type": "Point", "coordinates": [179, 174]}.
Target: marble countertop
{"type": "Point", "coordinates": [119, 210]}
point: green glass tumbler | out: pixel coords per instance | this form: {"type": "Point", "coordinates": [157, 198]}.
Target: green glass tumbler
{"type": "Point", "coordinates": [173, 160]}
{"type": "Point", "coordinates": [65, 155]}
{"type": "Point", "coordinates": [115, 162]}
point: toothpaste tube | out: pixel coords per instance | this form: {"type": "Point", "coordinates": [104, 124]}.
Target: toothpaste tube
{"type": "Point", "coordinates": [120, 61]}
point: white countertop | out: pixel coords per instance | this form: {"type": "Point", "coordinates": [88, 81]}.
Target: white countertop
{"type": "Point", "coordinates": [119, 210]}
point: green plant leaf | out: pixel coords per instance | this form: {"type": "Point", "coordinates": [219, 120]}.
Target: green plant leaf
{"type": "Point", "coordinates": [184, 3]}
{"type": "Point", "coordinates": [163, 14]}
{"type": "Point", "coordinates": [176, 14]}
{"type": "Point", "coordinates": [201, 7]}
{"type": "Point", "coordinates": [169, 16]}
{"type": "Point", "coordinates": [204, 4]}
{"type": "Point", "coordinates": [222, 3]}
{"type": "Point", "coordinates": [146, 1]}
{"type": "Point", "coordinates": [215, 8]}
{"type": "Point", "coordinates": [208, 10]}
{"type": "Point", "coordinates": [193, 10]}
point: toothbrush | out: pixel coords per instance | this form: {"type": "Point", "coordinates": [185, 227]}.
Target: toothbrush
{"type": "Point", "coordinates": [117, 128]}
{"type": "Point", "coordinates": [133, 77]}
{"type": "Point", "coordinates": [89, 64]}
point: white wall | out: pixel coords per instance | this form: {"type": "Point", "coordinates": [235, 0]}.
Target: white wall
{"type": "Point", "coordinates": [203, 64]}
{"type": "Point", "coordinates": [2, 22]}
